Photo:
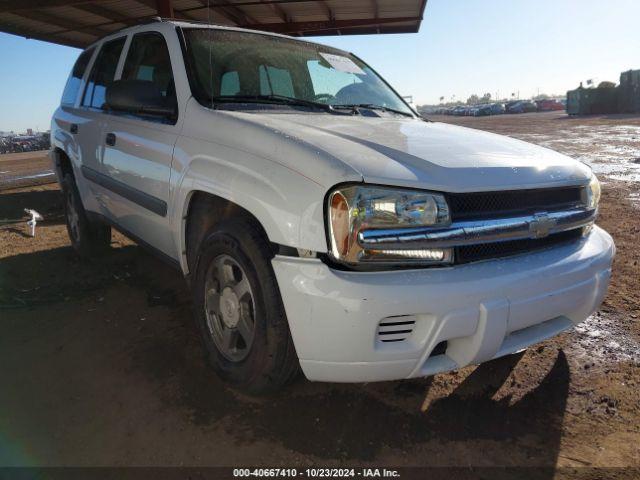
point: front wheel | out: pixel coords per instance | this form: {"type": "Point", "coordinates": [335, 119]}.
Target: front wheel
{"type": "Point", "coordinates": [239, 310]}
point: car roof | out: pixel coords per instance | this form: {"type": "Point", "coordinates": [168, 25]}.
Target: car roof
{"type": "Point", "coordinates": [202, 25]}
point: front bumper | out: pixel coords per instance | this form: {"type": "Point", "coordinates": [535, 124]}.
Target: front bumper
{"type": "Point", "coordinates": [482, 310]}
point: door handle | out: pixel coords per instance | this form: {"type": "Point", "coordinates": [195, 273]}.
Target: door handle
{"type": "Point", "coordinates": [111, 139]}
{"type": "Point", "coordinates": [73, 128]}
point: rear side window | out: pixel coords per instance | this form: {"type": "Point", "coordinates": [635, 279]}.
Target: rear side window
{"type": "Point", "coordinates": [103, 72]}
{"type": "Point", "coordinates": [72, 87]}
{"type": "Point", "coordinates": [148, 59]}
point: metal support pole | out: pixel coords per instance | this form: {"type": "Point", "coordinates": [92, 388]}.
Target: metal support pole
{"type": "Point", "coordinates": [165, 9]}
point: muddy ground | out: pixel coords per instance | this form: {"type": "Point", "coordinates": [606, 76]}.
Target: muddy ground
{"type": "Point", "coordinates": [101, 364]}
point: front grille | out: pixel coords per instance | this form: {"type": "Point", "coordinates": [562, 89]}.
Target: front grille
{"type": "Point", "coordinates": [474, 253]}
{"type": "Point", "coordinates": [485, 205]}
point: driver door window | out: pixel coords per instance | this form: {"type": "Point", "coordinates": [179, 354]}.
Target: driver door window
{"type": "Point", "coordinates": [148, 60]}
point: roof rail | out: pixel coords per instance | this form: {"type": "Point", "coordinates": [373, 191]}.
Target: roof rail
{"type": "Point", "coordinates": [143, 21]}
{"type": "Point", "coordinates": [196, 22]}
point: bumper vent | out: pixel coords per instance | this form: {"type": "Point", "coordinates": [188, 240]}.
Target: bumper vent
{"type": "Point", "coordinates": [484, 205]}
{"type": "Point", "coordinates": [395, 329]}
{"type": "Point", "coordinates": [439, 349]}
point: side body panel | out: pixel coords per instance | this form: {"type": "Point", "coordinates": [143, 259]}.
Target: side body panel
{"type": "Point", "coordinates": [76, 131]}
{"type": "Point", "coordinates": [137, 171]}
{"type": "Point", "coordinates": [138, 166]}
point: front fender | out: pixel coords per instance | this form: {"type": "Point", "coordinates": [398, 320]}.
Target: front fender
{"type": "Point", "coordinates": [288, 205]}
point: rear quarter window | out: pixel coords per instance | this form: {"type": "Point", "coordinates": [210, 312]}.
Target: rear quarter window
{"type": "Point", "coordinates": [72, 87]}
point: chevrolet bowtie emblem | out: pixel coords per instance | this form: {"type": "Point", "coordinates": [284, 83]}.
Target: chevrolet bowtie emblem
{"type": "Point", "coordinates": [541, 225]}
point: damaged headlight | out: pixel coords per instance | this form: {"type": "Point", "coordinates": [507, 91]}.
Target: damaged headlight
{"type": "Point", "coordinates": [353, 209]}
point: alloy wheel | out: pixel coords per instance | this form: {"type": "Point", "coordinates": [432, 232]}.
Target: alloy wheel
{"type": "Point", "coordinates": [230, 308]}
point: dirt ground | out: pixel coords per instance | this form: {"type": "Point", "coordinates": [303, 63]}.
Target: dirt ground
{"type": "Point", "coordinates": [25, 169]}
{"type": "Point", "coordinates": [101, 364]}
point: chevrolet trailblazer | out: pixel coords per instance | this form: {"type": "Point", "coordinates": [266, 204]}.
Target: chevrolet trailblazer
{"type": "Point", "coordinates": [321, 224]}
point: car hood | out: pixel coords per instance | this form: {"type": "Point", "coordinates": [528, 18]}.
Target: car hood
{"type": "Point", "coordinates": [415, 153]}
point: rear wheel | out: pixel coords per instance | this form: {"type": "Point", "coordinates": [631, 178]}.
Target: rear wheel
{"type": "Point", "coordinates": [239, 310]}
{"type": "Point", "coordinates": [87, 238]}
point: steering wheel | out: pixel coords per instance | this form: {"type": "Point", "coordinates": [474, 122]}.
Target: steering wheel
{"type": "Point", "coordinates": [324, 97]}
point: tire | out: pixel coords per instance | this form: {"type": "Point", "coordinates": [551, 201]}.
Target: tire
{"type": "Point", "coordinates": [88, 238]}
{"type": "Point", "coordinates": [235, 289]}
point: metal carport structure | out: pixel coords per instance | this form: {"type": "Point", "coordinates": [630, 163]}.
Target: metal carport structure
{"type": "Point", "coordinates": [78, 23]}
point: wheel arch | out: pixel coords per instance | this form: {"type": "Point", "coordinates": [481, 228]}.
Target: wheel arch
{"type": "Point", "coordinates": [61, 163]}
{"type": "Point", "coordinates": [202, 211]}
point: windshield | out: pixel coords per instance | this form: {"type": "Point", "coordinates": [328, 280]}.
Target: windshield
{"type": "Point", "coordinates": [234, 66]}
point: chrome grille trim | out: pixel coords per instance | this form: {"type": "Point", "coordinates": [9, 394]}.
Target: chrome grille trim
{"type": "Point", "coordinates": [473, 232]}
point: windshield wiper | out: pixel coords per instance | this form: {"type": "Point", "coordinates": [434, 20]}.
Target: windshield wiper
{"type": "Point", "coordinates": [371, 106]}
{"type": "Point", "coordinates": [272, 99]}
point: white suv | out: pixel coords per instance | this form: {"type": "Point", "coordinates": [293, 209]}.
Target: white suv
{"type": "Point", "coordinates": [320, 222]}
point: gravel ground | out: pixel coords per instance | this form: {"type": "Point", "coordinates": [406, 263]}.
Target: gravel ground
{"type": "Point", "coordinates": [101, 364]}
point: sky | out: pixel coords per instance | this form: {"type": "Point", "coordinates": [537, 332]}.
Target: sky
{"type": "Point", "coordinates": [463, 47]}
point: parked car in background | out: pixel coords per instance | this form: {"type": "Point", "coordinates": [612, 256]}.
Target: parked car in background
{"type": "Point", "coordinates": [549, 105]}
{"type": "Point", "coordinates": [321, 225]}
{"type": "Point", "coordinates": [521, 106]}
{"type": "Point", "coordinates": [24, 143]}
{"type": "Point", "coordinates": [483, 110]}
{"type": "Point", "coordinates": [497, 108]}
{"type": "Point", "coordinates": [509, 105]}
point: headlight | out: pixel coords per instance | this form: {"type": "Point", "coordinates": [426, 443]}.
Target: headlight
{"type": "Point", "coordinates": [356, 208]}
{"type": "Point", "coordinates": [593, 193]}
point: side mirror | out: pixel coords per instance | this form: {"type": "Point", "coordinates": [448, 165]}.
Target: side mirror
{"type": "Point", "coordinates": [139, 97]}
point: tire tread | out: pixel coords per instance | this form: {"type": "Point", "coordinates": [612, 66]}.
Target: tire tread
{"type": "Point", "coordinates": [281, 365]}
